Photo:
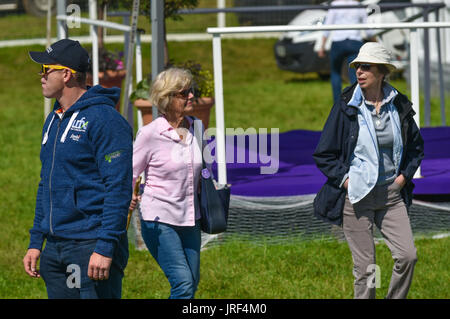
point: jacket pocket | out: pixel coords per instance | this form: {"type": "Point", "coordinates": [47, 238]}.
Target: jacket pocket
{"type": "Point", "coordinates": [329, 203]}
{"type": "Point", "coordinates": [65, 215]}
{"type": "Point", "coordinates": [407, 193]}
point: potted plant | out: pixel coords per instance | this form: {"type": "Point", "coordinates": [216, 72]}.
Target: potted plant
{"type": "Point", "coordinates": [111, 71]}
{"type": "Point", "coordinates": [203, 93]}
{"type": "Point", "coordinates": [171, 8]}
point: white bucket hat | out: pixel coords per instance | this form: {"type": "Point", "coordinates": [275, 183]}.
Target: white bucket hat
{"type": "Point", "coordinates": [374, 52]}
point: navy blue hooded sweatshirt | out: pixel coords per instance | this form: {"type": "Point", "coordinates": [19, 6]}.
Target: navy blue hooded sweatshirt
{"type": "Point", "coordinates": [86, 175]}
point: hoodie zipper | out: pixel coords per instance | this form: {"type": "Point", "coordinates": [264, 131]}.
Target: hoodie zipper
{"type": "Point", "coordinates": [51, 173]}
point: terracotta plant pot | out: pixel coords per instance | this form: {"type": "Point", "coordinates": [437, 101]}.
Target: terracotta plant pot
{"type": "Point", "coordinates": [202, 110]}
{"type": "Point", "coordinates": [109, 79]}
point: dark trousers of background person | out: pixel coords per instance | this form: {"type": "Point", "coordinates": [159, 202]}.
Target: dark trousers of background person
{"type": "Point", "coordinates": [385, 208]}
{"type": "Point", "coordinates": [341, 50]}
{"type": "Point", "coordinates": [63, 260]}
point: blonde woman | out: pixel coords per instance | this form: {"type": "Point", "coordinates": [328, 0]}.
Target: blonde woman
{"type": "Point", "coordinates": [168, 151]}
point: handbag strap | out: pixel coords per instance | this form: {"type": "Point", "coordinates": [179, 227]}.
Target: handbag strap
{"type": "Point", "coordinates": [198, 134]}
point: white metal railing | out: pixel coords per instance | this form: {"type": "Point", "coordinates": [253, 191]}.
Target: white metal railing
{"type": "Point", "coordinates": [218, 80]}
{"type": "Point", "coordinates": [98, 23]}
{"type": "Point", "coordinates": [94, 23]}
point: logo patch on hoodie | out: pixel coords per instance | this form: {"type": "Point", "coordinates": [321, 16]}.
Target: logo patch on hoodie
{"type": "Point", "coordinates": [74, 137]}
{"type": "Point", "coordinates": [112, 155]}
{"type": "Point", "coordinates": [80, 125]}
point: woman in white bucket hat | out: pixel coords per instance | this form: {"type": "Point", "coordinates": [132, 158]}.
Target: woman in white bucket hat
{"type": "Point", "coordinates": [369, 150]}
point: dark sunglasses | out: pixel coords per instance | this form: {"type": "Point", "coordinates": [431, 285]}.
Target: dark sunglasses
{"type": "Point", "coordinates": [364, 67]}
{"type": "Point", "coordinates": [185, 93]}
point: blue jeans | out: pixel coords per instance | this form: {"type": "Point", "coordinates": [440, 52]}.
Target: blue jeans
{"type": "Point", "coordinates": [177, 251]}
{"type": "Point", "coordinates": [341, 50]}
{"type": "Point", "coordinates": [64, 268]}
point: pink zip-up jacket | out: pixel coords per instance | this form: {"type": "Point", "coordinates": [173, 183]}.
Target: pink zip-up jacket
{"type": "Point", "coordinates": [172, 172]}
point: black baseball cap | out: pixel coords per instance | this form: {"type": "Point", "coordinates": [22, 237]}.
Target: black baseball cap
{"type": "Point", "coordinates": [66, 52]}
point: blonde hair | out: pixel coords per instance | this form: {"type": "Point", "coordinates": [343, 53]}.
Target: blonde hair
{"type": "Point", "coordinates": [166, 84]}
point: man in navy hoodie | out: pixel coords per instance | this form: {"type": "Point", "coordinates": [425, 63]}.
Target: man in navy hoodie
{"type": "Point", "coordinates": [85, 187]}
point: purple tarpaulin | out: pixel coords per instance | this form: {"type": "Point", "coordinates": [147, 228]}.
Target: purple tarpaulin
{"type": "Point", "coordinates": [298, 175]}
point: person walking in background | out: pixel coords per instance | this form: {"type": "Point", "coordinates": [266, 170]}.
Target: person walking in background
{"type": "Point", "coordinates": [85, 188]}
{"type": "Point", "coordinates": [369, 150]}
{"type": "Point", "coordinates": [345, 44]}
{"type": "Point", "coordinates": [168, 150]}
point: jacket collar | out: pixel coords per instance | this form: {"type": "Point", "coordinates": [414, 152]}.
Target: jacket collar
{"type": "Point", "coordinates": [164, 128]}
{"type": "Point", "coordinates": [358, 98]}
{"type": "Point", "coordinates": [401, 102]}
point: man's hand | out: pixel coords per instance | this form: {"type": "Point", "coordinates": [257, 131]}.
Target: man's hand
{"type": "Point", "coordinates": [30, 262]}
{"type": "Point", "coordinates": [321, 53]}
{"type": "Point", "coordinates": [99, 267]}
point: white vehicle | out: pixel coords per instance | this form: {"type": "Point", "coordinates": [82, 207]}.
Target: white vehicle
{"type": "Point", "coordinates": [297, 51]}
{"type": "Point", "coordinates": [34, 7]}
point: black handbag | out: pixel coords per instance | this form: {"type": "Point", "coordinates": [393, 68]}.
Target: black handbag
{"type": "Point", "coordinates": [214, 204]}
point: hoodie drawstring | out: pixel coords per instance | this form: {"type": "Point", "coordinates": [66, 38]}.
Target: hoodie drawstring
{"type": "Point", "coordinates": [72, 119]}
{"type": "Point", "coordinates": [69, 125]}
{"type": "Point", "coordinates": [44, 140]}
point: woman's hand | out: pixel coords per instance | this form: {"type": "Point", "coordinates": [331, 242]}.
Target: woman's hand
{"type": "Point", "coordinates": [346, 184]}
{"type": "Point", "coordinates": [400, 180]}
{"type": "Point", "coordinates": [134, 201]}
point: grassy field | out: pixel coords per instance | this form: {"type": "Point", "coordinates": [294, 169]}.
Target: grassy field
{"type": "Point", "coordinates": [258, 95]}
{"type": "Point", "coordinates": [190, 23]}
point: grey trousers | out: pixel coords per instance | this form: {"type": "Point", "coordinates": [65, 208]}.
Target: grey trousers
{"type": "Point", "coordinates": [384, 207]}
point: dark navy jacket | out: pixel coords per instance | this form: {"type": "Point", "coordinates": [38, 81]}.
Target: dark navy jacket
{"type": "Point", "coordinates": [85, 187]}
{"type": "Point", "coordinates": [337, 143]}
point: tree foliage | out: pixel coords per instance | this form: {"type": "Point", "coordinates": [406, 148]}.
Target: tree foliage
{"type": "Point", "coordinates": [171, 7]}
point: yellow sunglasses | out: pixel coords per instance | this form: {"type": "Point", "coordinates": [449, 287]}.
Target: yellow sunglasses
{"type": "Point", "coordinates": [46, 67]}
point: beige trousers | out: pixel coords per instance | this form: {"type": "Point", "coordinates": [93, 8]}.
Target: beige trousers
{"type": "Point", "coordinates": [384, 207]}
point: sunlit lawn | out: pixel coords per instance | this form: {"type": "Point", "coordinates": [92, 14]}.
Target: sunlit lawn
{"type": "Point", "coordinates": [256, 94]}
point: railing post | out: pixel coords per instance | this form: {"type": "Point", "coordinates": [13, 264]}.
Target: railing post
{"type": "Point", "coordinates": [221, 15]}
{"type": "Point", "coordinates": [157, 17]}
{"type": "Point", "coordinates": [414, 64]}
{"type": "Point", "coordinates": [426, 65]}
{"type": "Point", "coordinates": [441, 76]}
{"type": "Point", "coordinates": [93, 30]}
{"type": "Point", "coordinates": [220, 118]}
{"type": "Point", "coordinates": [61, 25]}
{"type": "Point", "coordinates": [139, 72]}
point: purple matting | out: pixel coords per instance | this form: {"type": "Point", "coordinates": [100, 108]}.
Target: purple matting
{"type": "Point", "coordinates": [298, 175]}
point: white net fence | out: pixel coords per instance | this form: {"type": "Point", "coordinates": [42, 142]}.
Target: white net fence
{"type": "Point", "coordinates": [278, 220]}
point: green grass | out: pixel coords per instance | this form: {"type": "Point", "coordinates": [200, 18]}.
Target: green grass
{"type": "Point", "coordinates": [36, 27]}
{"type": "Point", "coordinates": [257, 95]}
